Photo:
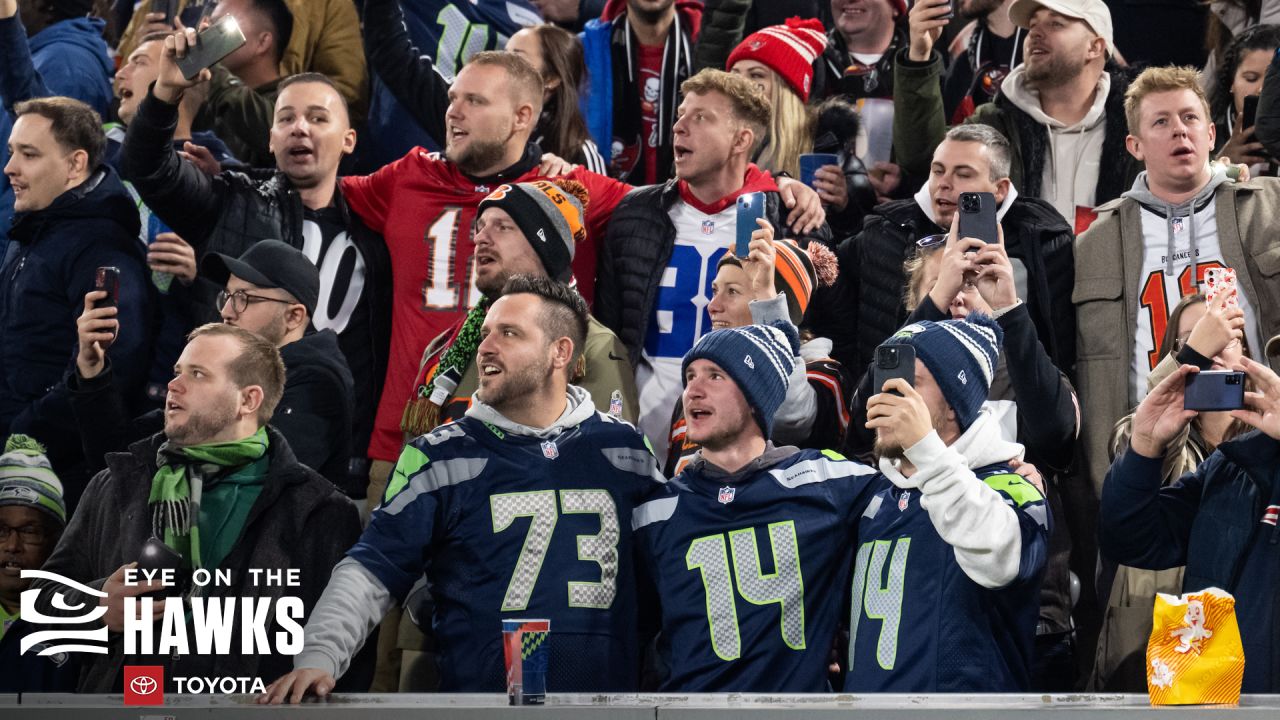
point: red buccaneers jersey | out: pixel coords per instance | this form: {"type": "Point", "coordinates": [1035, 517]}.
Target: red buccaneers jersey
{"type": "Point", "coordinates": [425, 208]}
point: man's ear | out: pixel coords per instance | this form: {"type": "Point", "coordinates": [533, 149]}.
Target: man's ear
{"type": "Point", "coordinates": [744, 140]}
{"type": "Point", "coordinates": [1134, 146]}
{"type": "Point", "coordinates": [295, 316]}
{"type": "Point", "coordinates": [251, 399]}
{"type": "Point", "coordinates": [1002, 189]}
{"type": "Point", "coordinates": [77, 165]}
{"type": "Point", "coordinates": [561, 353]}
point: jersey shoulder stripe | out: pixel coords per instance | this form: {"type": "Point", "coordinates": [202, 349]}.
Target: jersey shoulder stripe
{"type": "Point", "coordinates": [654, 511]}
{"type": "Point", "coordinates": [811, 466]}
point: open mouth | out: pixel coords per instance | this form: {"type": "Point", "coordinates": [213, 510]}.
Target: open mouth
{"type": "Point", "coordinates": [301, 153]}
{"type": "Point", "coordinates": [483, 260]}
{"type": "Point", "coordinates": [944, 203]}
{"type": "Point", "coordinates": [11, 567]}
{"type": "Point", "coordinates": [489, 370]}
{"type": "Point", "coordinates": [126, 93]}
{"type": "Point", "coordinates": [1182, 151]}
{"type": "Point", "coordinates": [698, 414]}
{"type": "Point", "coordinates": [681, 152]}
{"type": "Point", "coordinates": [718, 324]}
{"type": "Point", "coordinates": [172, 407]}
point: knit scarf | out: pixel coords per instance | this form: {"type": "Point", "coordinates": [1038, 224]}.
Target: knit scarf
{"type": "Point", "coordinates": [179, 481]}
{"type": "Point", "coordinates": [437, 380]}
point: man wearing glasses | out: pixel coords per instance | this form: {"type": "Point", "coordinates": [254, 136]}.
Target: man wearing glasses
{"type": "Point", "coordinates": [271, 290]}
{"type": "Point", "coordinates": [32, 517]}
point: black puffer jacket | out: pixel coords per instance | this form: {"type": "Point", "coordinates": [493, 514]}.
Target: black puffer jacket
{"type": "Point", "coordinates": [233, 210]}
{"type": "Point", "coordinates": [635, 253]}
{"type": "Point", "coordinates": [865, 305]}
{"type": "Point", "coordinates": [315, 410]}
{"type": "Point", "coordinates": [299, 521]}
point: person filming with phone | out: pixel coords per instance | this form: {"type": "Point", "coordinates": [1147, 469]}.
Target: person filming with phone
{"type": "Point", "coordinates": [1219, 520]}
{"type": "Point", "coordinates": [74, 216]}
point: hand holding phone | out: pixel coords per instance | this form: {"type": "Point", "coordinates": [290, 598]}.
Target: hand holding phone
{"type": "Point", "coordinates": [1214, 391]}
{"type": "Point", "coordinates": [212, 44]}
{"type": "Point", "coordinates": [1221, 282]}
{"type": "Point", "coordinates": [893, 361]}
{"type": "Point", "coordinates": [977, 213]}
{"type": "Point", "coordinates": [157, 557]}
{"type": "Point", "coordinates": [750, 208]}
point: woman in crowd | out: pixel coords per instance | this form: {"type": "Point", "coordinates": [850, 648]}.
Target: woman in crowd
{"type": "Point", "coordinates": [1244, 65]}
{"type": "Point", "coordinates": [1197, 334]}
{"type": "Point", "coordinates": [779, 60]}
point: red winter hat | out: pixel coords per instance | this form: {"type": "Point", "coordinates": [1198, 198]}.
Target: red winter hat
{"type": "Point", "coordinates": [788, 50]}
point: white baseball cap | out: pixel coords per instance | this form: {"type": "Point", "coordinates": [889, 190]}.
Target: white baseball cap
{"type": "Point", "coordinates": [1094, 12]}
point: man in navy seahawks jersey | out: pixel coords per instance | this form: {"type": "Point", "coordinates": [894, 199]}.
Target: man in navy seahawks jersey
{"type": "Point", "coordinates": [950, 551]}
{"type": "Point", "coordinates": [519, 509]}
{"type": "Point", "coordinates": [750, 550]}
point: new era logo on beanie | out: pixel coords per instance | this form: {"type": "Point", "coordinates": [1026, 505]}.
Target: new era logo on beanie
{"type": "Point", "coordinates": [759, 358]}
{"type": "Point", "coordinates": [961, 355]}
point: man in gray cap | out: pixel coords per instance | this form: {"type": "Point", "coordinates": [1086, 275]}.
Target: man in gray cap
{"type": "Point", "coordinates": [1061, 109]}
{"type": "Point", "coordinates": [271, 290]}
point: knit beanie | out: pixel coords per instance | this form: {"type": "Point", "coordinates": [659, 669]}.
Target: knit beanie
{"type": "Point", "coordinates": [27, 479]}
{"type": "Point", "coordinates": [788, 50]}
{"type": "Point", "coordinates": [759, 358]}
{"type": "Point", "coordinates": [550, 214]}
{"type": "Point", "coordinates": [796, 272]}
{"type": "Point", "coordinates": [961, 355]}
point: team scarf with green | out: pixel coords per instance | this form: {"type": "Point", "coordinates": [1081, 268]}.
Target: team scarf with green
{"type": "Point", "coordinates": [437, 380]}
{"type": "Point", "coordinates": [179, 481]}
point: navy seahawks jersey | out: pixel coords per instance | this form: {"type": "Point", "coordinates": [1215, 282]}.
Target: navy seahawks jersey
{"type": "Point", "coordinates": [918, 623]}
{"type": "Point", "coordinates": [508, 526]}
{"type": "Point", "coordinates": [751, 573]}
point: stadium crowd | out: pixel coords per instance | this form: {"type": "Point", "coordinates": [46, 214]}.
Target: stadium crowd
{"type": "Point", "coordinates": [588, 310]}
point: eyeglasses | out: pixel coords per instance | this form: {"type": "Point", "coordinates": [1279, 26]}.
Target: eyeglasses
{"type": "Point", "coordinates": [28, 534]}
{"type": "Point", "coordinates": [241, 300]}
{"type": "Point", "coordinates": [930, 242]}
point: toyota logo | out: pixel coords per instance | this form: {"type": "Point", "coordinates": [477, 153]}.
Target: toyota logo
{"type": "Point", "coordinates": [143, 685]}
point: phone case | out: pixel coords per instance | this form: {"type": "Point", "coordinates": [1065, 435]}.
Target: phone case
{"type": "Point", "coordinates": [1214, 391]}
{"type": "Point", "coordinates": [978, 217]}
{"type": "Point", "coordinates": [1218, 281]}
{"type": "Point", "coordinates": [212, 44]}
{"type": "Point", "coordinates": [750, 208]}
{"type": "Point", "coordinates": [905, 369]}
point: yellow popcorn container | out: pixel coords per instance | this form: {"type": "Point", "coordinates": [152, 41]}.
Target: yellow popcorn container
{"type": "Point", "coordinates": [1194, 655]}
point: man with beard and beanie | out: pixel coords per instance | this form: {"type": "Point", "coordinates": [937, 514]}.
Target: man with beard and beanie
{"type": "Point", "coordinates": [1062, 109]}
{"type": "Point", "coordinates": [531, 445]}
{"type": "Point", "coordinates": [32, 518]}
{"type": "Point", "coordinates": [271, 291]}
{"type": "Point", "coordinates": [530, 229]}
{"type": "Point", "coordinates": [219, 487]}
{"type": "Point", "coordinates": [746, 503]}
{"type": "Point", "coordinates": [951, 550]}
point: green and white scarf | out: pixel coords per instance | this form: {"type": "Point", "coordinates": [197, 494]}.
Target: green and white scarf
{"type": "Point", "coordinates": [179, 481]}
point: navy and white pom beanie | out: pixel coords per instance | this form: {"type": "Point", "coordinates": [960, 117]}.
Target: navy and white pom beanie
{"type": "Point", "coordinates": [759, 358]}
{"type": "Point", "coordinates": [961, 355]}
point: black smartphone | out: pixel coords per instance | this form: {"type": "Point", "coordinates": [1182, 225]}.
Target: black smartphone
{"type": "Point", "coordinates": [107, 278]}
{"type": "Point", "coordinates": [168, 7]}
{"type": "Point", "coordinates": [1250, 114]}
{"type": "Point", "coordinates": [1214, 390]}
{"type": "Point", "coordinates": [212, 44]}
{"type": "Point", "coordinates": [893, 361]}
{"type": "Point", "coordinates": [194, 12]}
{"type": "Point", "coordinates": [157, 557]}
{"type": "Point", "coordinates": [951, 10]}
{"type": "Point", "coordinates": [978, 217]}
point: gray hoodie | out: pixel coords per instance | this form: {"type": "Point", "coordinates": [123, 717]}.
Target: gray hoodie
{"type": "Point", "coordinates": [1188, 209]}
{"type": "Point", "coordinates": [1075, 151]}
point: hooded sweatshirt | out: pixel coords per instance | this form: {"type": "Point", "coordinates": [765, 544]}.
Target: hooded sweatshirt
{"type": "Point", "coordinates": [1075, 151]}
{"type": "Point", "coordinates": [1179, 242]}
{"type": "Point", "coordinates": [963, 542]}
{"type": "Point", "coordinates": [456, 509]}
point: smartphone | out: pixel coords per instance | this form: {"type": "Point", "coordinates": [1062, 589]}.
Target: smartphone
{"type": "Point", "coordinates": [168, 7]}
{"type": "Point", "coordinates": [194, 12]}
{"type": "Point", "coordinates": [212, 44]}
{"type": "Point", "coordinates": [1250, 114]}
{"type": "Point", "coordinates": [1221, 281]}
{"type": "Point", "coordinates": [810, 162]}
{"type": "Point", "coordinates": [951, 10]}
{"type": "Point", "coordinates": [750, 208]}
{"type": "Point", "coordinates": [1214, 390]}
{"type": "Point", "coordinates": [978, 217]}
{"type": "Point", "coordinates": [107, 278]}
{"type": "Point", "coordinates": [156, 556]}
{"type": "Point", "coordinates": [893, 361]}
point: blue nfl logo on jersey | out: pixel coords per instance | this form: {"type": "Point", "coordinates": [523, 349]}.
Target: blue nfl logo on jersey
{"type": "Point", "coordinates": [549, 450]}
{"type": "Point", "coordinates": [708, 227]}
{"type": "Point", "coordinates": [726, 495]}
